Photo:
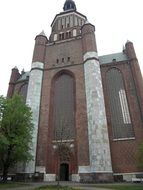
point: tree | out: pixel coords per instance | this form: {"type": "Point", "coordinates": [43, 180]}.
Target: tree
{"type": "Point", "coordinates": [140, 156]}
{"type": "Point", "coordinates": [15, 133]}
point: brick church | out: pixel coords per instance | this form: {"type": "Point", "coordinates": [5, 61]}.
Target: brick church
{"type": "Point", "coordinates": [87, 109]}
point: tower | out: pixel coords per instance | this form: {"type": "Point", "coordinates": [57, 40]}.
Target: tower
{"type": "Point", "coordinates": [34, 92]}
{"type": "Point", "coordinates": [14, 77]}
{"type": "Point", "coordinates": [71, 67]}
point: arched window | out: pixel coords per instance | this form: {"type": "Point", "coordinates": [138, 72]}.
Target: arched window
{"type": "Point", "coordinates": [63, 107]}
{"type": "Point", "coordinates": [120, 115]}
{"type": "Point", "coordinates": [23, 91]}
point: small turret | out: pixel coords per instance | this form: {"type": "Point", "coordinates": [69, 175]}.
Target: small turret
{"type": "Point", "coordinates": [88, 38]}
{"type": "Point", "coordinates": [14, 77]}
{"type": "Point", "coordinates": [130, 50]}
{"type": "Point", "coordinates": [39, 50]}
{"type": "Point", "coordinates": [136, 72]}
{"type": "Point", "coordinates": [22, 72]}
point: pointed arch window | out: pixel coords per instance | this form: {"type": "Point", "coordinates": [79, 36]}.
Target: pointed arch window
{"type": "Point", "coordinates": [118, 104]}
{"type": "Point", "coordinates": [63, 107]}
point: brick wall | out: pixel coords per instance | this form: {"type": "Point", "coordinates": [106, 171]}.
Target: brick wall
{"type": "Point", "coordinates": [124, 152]}
{"type": "Point", "coordinates": [45, 152]}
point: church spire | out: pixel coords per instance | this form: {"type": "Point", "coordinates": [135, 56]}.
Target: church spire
{"type": "Point", "coordinates": [69, 5]}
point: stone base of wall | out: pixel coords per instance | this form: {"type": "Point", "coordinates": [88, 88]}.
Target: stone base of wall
{"type": "Point", "coordinates": [49, 177]}
{"type": "Point", "coordinates": [96, 177]}
{"type": "Point", "coordinates": [41, 169]}
{"type": "Point", "coordinates": [75, 178]}
{"type": "Point", "coordinates": [128, 177]}
{"type": "Point", "coordinates": [29, 177]}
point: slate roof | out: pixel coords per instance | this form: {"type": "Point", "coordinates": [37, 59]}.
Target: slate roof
{"type": "Point", "coordinates": [24, 76]}
{"type": "Point", "coordinates": [104, 59]}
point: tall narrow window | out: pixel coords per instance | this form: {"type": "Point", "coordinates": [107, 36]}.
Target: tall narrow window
{"type": "Point", "coordinates": [67, 21]}
{"type": "Point", "coordinates": [120, 115]}
{"type": "Point", "coordinates": [63, 23]}
{"type": "Point", "coordinates": [74, 32]}
{"type": "Point", "coordinates": [55, 37]}
{"type": "Point", "coordinates": [63, 107]}
{"type": "Point", "coordinates": [70, 34]}
{"type": "Point", "coordinates": [71, 20]}
{"type": "Point", "coordinates": [124, 107]}
{"type": "Point", "coordinates": [75, 20]}
{"type": "Point", "coordinates": [67, 34]}
{"type": "Point", "coordinates": [57, 61]}
{"type": "Point", "coordinates": [62, 36]}
{"type": "Point", "coordinates": [59, 24]}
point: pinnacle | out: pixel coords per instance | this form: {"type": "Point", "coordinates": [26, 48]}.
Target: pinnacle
{"type": "Point", "coordinates": [42, 33]}
{"type": "Point", "coordinates": [15, 67]}
{"type": "Point", "coordinates": [128, 41]}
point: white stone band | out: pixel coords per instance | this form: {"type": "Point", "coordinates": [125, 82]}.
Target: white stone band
{"type": "Point", "coordinates": [49, 177]}
{"type": "Point", "coordinates": [90, 54]}
{"type": "Point", "coordinates": [37, 64]}
{"type": "Point", "coordinates": [84, 169]}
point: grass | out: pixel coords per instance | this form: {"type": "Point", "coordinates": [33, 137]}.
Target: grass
{"type": "Point", "coordinates": [11, 185]}
{"type": "Point", "coordinates": [121, 186]}
{"type": "Point", "coordinates": [54, 187]}
{"type": "Point", "coordinates": [107, 186]}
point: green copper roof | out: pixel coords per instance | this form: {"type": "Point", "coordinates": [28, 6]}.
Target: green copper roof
{"type": "Point", "coordinates": [111, 57]}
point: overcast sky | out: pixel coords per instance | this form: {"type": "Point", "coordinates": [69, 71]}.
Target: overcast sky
{"type": "Point", "coordinates": [116, 21]}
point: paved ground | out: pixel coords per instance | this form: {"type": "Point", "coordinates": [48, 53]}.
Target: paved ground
{"type": "Point", "coordinates": [35, 185]}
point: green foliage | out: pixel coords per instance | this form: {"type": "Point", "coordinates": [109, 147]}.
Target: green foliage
{"type": "Point", "coordinates": [15, 131]}
{"type": "Point", "coordinates": [140, 156]}
{"type": "Point", "coordinates": [12, 185]}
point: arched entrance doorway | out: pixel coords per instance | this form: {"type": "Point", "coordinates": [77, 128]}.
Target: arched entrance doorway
{"type": "Point", "coordinates": [64, 172]}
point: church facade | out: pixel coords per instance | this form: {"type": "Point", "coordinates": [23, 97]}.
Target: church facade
{"type": "Point", "coordinates": [87, 109]}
